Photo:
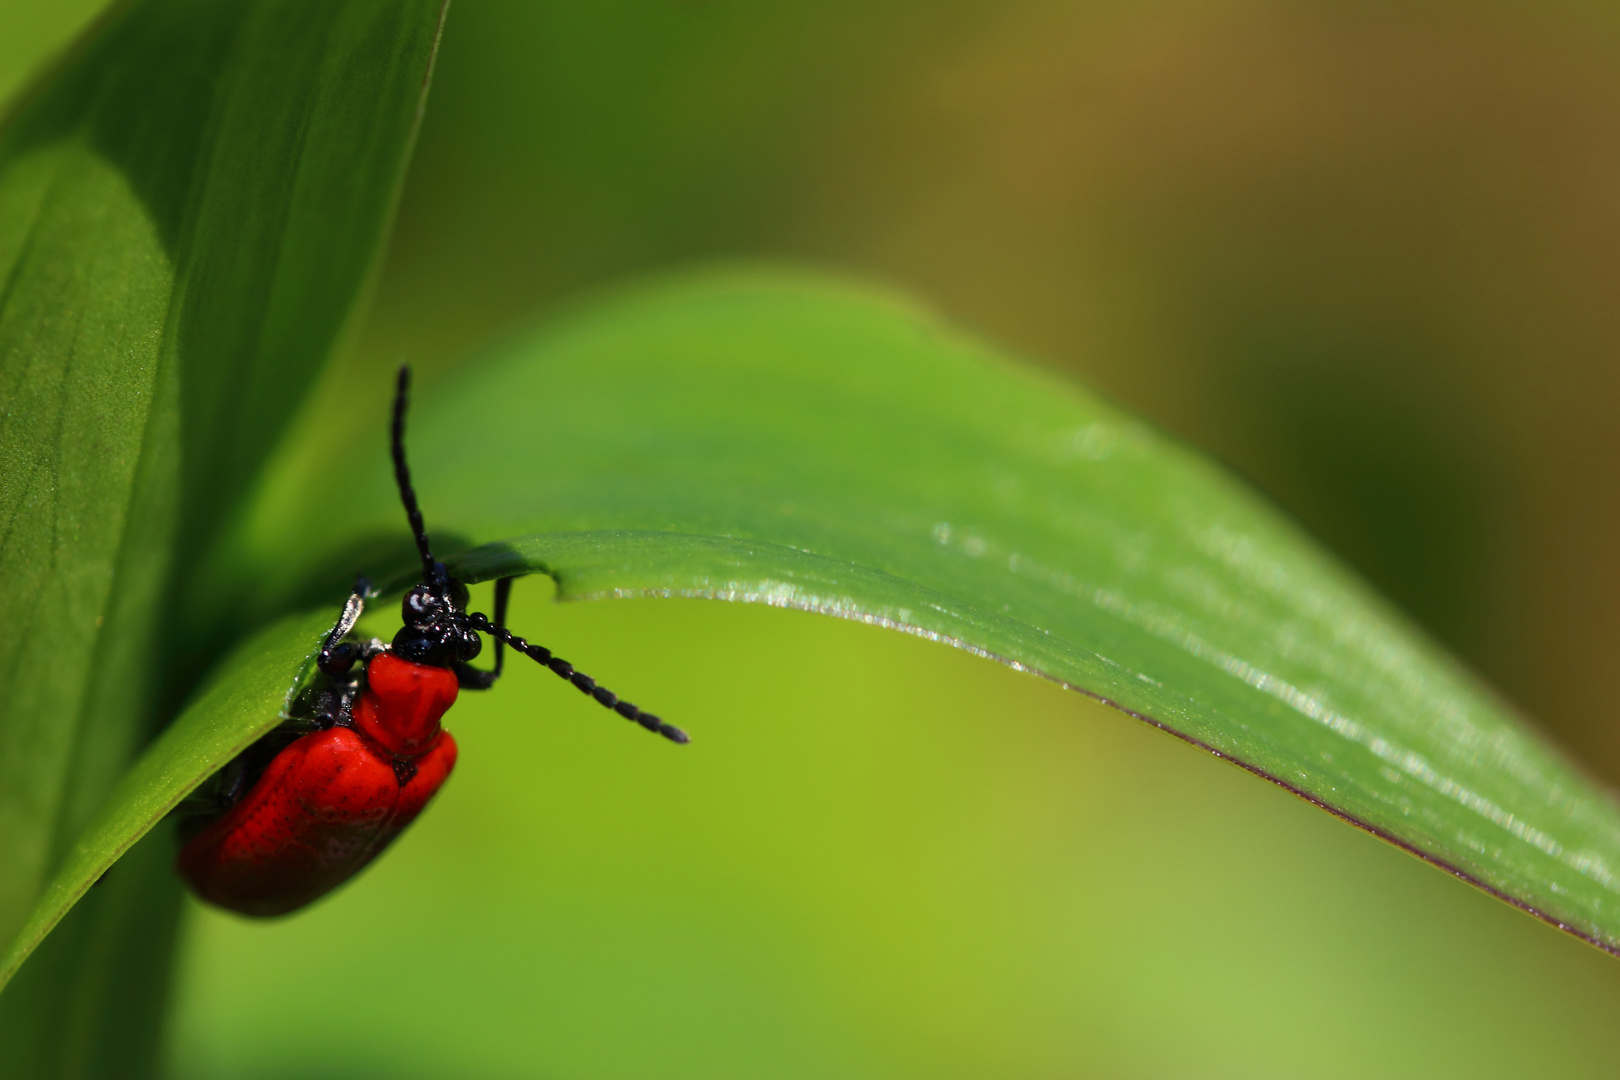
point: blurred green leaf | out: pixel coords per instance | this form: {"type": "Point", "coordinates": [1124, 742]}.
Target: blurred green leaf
{"type": "Point", "coordinates": [792, 441]}
{"type": "Point", "coordinates": [190, 205]}
{"type": "Point", "coordinates": [35, 29]}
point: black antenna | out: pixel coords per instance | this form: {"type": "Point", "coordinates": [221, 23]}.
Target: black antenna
{"type": "Point", "coordinates": [402, 476]}
{"type": "Point", "coordinates": [437, 579]}
{"type": "Point", "coordinates": [587, 685]}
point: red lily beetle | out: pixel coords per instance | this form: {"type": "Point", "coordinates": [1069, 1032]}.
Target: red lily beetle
{"type": "Point", "coordinates": [308, 806]}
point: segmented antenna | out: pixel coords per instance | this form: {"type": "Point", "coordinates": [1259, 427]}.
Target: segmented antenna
{"type": "Point", "coordinates": [586, 685]}
{"type": "Point", "coordinates": [435, 575]}
{"type": "Point", "coordinates": [402, 476]}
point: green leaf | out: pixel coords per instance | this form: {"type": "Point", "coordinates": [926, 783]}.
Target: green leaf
{"type": "Point", "coordinates": [245, 697]}
{"type": "Point", "coordinates": [191, 203]}
{"type": "Point", "coordinates": [786, 440]}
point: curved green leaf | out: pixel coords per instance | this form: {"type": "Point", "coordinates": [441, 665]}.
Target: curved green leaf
{"type": "Point", "coordinates": [766, 438]}
{"type": "Point", "coordinates": [786, 440]}
{"type": "Point", "coordinates": [246, 696]}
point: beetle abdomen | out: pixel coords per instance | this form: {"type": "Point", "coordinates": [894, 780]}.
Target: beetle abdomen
{"type": "Point", "coordinates": [325, 807]}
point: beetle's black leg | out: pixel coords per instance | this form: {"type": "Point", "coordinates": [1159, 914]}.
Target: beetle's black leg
{"type": "Point", "coordinates": [216, 795]}
{"type": "Point", "coordinates": [338, 656]}
{"type": "Point", "coordinates": [503, 594]}
{"type": "Point", "coordinates": [470, 677]}
{"type": "Point", "coordinates": [583, 682]}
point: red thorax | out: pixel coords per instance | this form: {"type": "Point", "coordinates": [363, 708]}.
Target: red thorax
{"type": "Point", "coordinates": [403, 702]}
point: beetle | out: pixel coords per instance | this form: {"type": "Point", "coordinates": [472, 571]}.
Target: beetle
{"type": "Point", "coordinates": [311, 804]}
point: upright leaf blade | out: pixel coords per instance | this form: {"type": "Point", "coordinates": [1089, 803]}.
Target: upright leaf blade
{"type": "Point", "coordinates": [796, 442]}
{"type": "Point", "coordinates": [190, 205]}
{"type": "Point", "coordinates": [86, 288]}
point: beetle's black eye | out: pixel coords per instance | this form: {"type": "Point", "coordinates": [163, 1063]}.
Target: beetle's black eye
{"type": "Point", "coordinates": [470, 645]}
{"type": "Point", "coordinates": [421, 607]}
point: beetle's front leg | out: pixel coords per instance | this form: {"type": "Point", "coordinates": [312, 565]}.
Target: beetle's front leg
{"type": "Point", "coordinates": [338, 655]}
{"type": "Point", "coordinates": [472, 678]}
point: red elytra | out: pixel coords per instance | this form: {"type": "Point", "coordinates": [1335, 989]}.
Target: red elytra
{"type": "Point", "coordinates": [333, 800]}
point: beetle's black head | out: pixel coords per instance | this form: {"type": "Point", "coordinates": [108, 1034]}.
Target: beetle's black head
{"type": "Point", "coordinates": [436, 629]}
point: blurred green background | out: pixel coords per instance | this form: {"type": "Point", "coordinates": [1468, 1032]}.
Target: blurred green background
{"type": "Point", "coordinates": [1364, 252]}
